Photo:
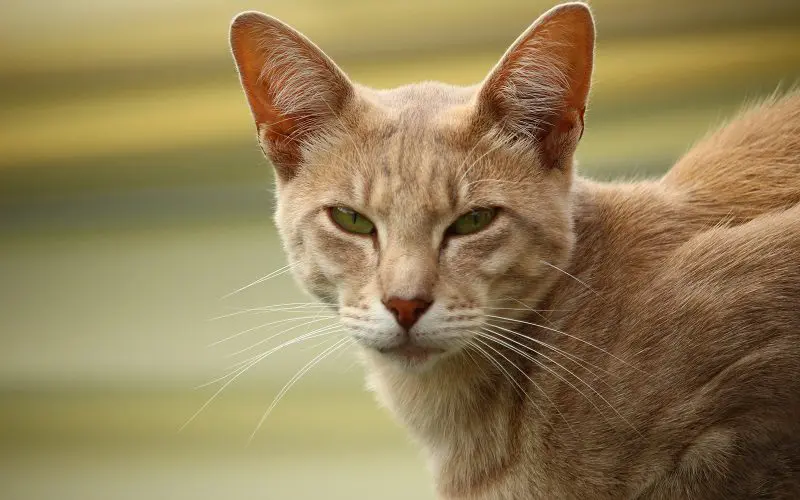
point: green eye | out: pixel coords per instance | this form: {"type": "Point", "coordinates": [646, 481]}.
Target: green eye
{"type": "Point", "coordinates": [472, 221]}
{"type": "Point", "coordinates": [351, 221]}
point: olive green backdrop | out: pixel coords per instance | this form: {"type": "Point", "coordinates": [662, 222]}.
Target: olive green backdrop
{"type": "Point", "coordinates": [133, 198]}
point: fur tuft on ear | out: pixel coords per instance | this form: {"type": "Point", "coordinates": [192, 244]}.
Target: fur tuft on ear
{"type": "Point", "coordinates": [538, 90]}
{"type": "Point", "coordinates": [293, 88]}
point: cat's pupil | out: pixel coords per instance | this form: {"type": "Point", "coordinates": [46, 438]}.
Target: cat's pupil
{"type": "Point", "coordinates": [355, 217]}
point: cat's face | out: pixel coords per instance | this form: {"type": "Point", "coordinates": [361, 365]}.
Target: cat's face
{"type": "Point", "coordinates": [423, 211]}
{"type": "Point", "coordinates": [409, 169]}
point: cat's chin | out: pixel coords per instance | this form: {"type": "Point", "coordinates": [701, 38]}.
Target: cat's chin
{"type": "Point", "coordinates": [407, 357]}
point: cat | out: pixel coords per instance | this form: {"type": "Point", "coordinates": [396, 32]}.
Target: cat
{"type": "Point", "coordinates": [539, 334]}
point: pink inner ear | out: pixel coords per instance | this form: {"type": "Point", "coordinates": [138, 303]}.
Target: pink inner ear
{"type": "Point", "coordinates": [541, 85]}
{"type": "Point", "coordinates": [292, 87]}
{"type": "Point", "coordinates": [249, 44]}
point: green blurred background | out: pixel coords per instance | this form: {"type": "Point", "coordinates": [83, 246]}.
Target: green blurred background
{"type": "Point", "coordinates": [133, 197]}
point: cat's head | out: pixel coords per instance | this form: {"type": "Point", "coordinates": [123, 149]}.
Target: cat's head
{"type": "Point", "coordinates": [418, 211]}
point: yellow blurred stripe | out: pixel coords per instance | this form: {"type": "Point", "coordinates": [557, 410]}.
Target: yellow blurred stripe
{"type": "Point", "coordinates": [123, 124]}
{"type": "Point", "coordinates": [167, 31]}
{"type": "Point", "coordinates": [217, 113]}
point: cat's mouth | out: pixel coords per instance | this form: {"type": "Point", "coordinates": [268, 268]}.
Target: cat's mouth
{"type": "Point", "coordinates": [411, 352]}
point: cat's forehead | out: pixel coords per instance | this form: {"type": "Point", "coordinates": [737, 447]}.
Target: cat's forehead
{"type": "Point", "coordinates": [426, 122]}
{"type": "Point", "coordinates": [407, 156]}
{"type": "Point", "coordinates": [422, 99]}
{"type": "Point", "coordinates": [405, 148]}
{"type": "Point", "coordinates": [410, 171]}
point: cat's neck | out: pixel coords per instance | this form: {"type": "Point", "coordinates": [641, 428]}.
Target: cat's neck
{"type": "Point", "coordinates": [465, 412]}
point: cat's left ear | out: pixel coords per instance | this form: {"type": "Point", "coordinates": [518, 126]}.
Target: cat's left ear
{"type": "Point", "coordinates": [538, 91]}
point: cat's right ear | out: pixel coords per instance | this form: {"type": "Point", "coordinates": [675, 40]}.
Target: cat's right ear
{"type": "Point", "coordinates": [293, 88]}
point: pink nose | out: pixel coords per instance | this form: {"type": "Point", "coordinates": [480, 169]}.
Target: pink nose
{"type": "Point", "coordinates": [407, 312]}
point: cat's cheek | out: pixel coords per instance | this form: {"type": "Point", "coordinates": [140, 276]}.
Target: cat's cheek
{"type": "Point", "coordinates": [480, 259]}
{"type": "Point", "coordinates": [318, 286]}
{"type": "Point", "coordinates": [316, 275]}
{"type": "Point", "coordinates": [345, 263]}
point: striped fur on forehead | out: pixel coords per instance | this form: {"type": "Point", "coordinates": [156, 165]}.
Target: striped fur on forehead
{"type": "Point", "coordinates": [418, 147]}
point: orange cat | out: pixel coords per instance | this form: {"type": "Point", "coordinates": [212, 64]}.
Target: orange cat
{"type": "Point", "coordinates": [541, 335]}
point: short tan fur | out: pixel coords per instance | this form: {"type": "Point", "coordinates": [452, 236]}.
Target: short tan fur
{"type": "Point", "coordinates": [594, 340]}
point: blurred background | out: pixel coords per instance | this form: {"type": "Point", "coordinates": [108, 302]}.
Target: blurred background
{"type": "Point", "coordinates": [133, 198]}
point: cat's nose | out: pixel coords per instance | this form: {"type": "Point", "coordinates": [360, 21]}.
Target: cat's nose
{"type": "Point", "coordinates": [406, 311]}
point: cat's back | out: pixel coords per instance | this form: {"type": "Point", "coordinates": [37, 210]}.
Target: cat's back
{"type": "Point", "coordinates": [719, 322]}
{"type": "Point", "coordinates": [731, 271]}
{"type": "Point", "coordinates": [699, 283]}
{"type": "Point", "coordinates": [748, 166]}
{"type": "Point", "coordinates": [720, 326]}
{"type": "Point", "coordinates": [716, 241]}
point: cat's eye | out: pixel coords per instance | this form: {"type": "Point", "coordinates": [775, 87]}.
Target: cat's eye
{"type": "Point", "coordinates": [472, 221]}
{"type": "Point", "coordinates": [351, 221]}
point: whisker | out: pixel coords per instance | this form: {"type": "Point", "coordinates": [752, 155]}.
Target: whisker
{"type": "Point", "coordinates": [262, 279]}
{"type": "Point", "coordinates": [534, 311]}
{"type": "Point", "coordinates": [478, 159]}
{"type": "Point", "coordinates": [570, 336]}
{"type": "Point", "coordinates": [543, 365]}
{"type": "Point", "coordinates": [468, 156]}
{"type": "Point", "coordinates": [466, 345]}
{"type": "Point", "coordinates": [241, 371]}
{"type": "Point", "coordinates": [517, 387]}
{"type": "Point", "coordinates": [487, 345]}
{"type": "Point", "coordinates": [297, 376]}
{"type": "Point", "coordinates": [319, 332]}
{"type": "Point", "coordinates": [325, 328]}
{"type": "Point", "coordinates": [298, 307]}
{"type": "Point", "coordinates": [524, 309]}
{"type": "Point", "coordinates": [247, 363]}
{"type": "Point", "coordinates": [576, 359]}
{"type": "Point", "coordinates": [539, 363]}
{"type": "Point", "coordinates": [209, 401]}
{"type": "Point", "coordinates": [263, 341]}
{"type": "Point", "coordinates": [523, 304]}
{"type": "Point", "coordinates": [321, 342]}
{"type": "Point", "coordinates": [585, 285]}
{"type": "Point", "coordinates": [276, 322]}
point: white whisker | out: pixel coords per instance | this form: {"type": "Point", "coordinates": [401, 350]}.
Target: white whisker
{"type": "Point", "coordinates": [574, 358]}
{"type": "Point", "coordinates": [263, 341]}
{"type": "Point", "coordinates": [570, 336]}
{"type": "Point", "coordinates": [297, 376]}
{"type": "Point", "coordinates": [478, 159]}
{"type": "Point", "coordinates": [524, 309]}
{"type": "Point", "coordinates": [297, 307]}
{"type": "Point", "coordinates": [319, 332]}
{"type": "Point", "coordinates": [539, 363]}
{"type": "Point", "coordinates": [242, 366]}
{"type": "Point", "coordinates": [517, 387]}
{"type": "Point", "coordinates": [276, 322]}
{"type": "Point", "coordinates": [487, 345]}
{"type": "Point", "coordinates": [466, 345]}
{"type": "Point", "coordinates": [468, 156]}
{"type": "Point", "coordinates": [585, 285]}
{"type": "Point", "coordinates": [262, 279]}
{"type": "Point", "coordinates": [543, 365]}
